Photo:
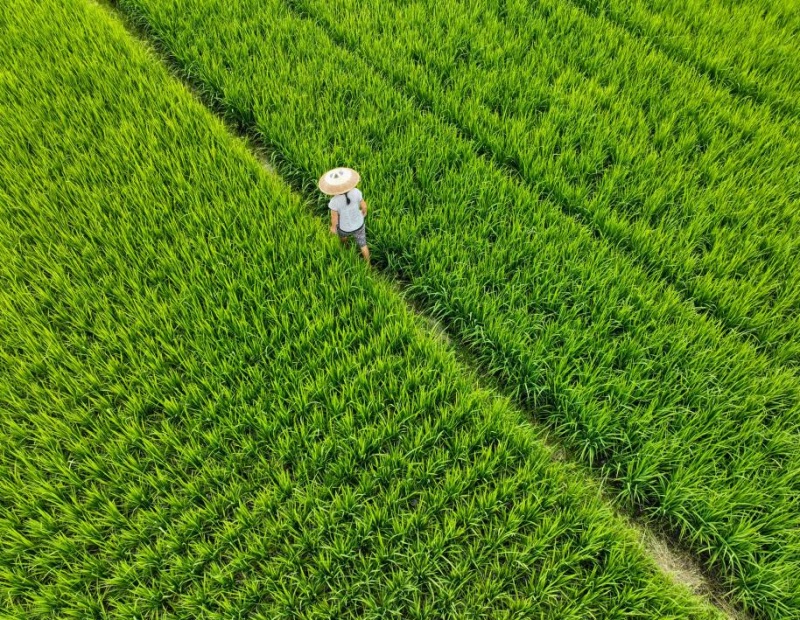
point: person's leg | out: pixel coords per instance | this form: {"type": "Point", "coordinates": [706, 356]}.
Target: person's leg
{"type": "Point", "coordinates": [361, 239]}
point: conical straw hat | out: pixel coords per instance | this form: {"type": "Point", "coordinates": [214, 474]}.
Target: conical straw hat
{"type": "Point", "coordinates": [338, 181]}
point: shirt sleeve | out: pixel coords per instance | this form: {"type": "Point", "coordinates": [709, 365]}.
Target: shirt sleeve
{"type": "Point", "coordinates": [332, 205]}
{"type": "Point", "coordinates": [358, 196]}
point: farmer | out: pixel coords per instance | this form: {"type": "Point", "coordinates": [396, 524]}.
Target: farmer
{"type": "Point", "coordinates": [347, 206]}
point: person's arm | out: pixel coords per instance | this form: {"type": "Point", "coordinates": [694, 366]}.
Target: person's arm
{"type": "Point", "coordinates": [334, 221]}
{"type": "Point", "coordinates": [363, 207]}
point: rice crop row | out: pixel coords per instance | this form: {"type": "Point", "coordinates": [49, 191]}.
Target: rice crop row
{"type": "Point", "coordinates": [704, 190]}
{"type": "Point", "coordinates": [210, 411]}
{"type": "Point", "coordinates": [751, 47]}
{"type": "Point", "coordinates": [698, 429]}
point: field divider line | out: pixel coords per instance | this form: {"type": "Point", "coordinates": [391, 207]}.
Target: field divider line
{"type": "Point", "coordinates": [719, 78]}
{"type": "Point", "coordinates": [667, 553]}
{"type": "Point", "coordinates": [652, 267]}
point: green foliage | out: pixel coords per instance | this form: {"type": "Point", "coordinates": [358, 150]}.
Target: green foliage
{"type": "Point", "coordinates": [698, 428]}
{"type": "Point", "coordinates": [210, 411]}
{"type": "Point", "coordinates": [750, 47]}
{"type": "Point", "coordinates": [701, 189]}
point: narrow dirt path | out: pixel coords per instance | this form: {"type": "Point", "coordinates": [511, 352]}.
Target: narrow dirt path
{"type": "Point", "coordinates": [683, 569]}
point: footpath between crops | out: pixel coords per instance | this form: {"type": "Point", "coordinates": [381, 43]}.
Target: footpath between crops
{"type": "Point", "coordinates": [667, 553]}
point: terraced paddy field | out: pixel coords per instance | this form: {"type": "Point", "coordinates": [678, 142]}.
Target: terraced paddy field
{"type": "Point", "coordinates": [211, 410]}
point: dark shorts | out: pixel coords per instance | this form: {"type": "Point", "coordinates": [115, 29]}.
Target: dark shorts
{"type": "Point", "coordinates": [360, 235]}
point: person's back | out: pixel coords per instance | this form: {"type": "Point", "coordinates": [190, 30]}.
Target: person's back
{"type": "Point", "coordinates": [348, 206]}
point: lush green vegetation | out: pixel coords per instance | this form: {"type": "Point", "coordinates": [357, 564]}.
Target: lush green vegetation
{"type": "Point", "coordinates": [697, 428]}
{"type": "Point", "coordinates": [752, 46]}
{"type": "Point", "coordinates": [210, 410]}
{"type": "Point", "coordinates": [701, 189]}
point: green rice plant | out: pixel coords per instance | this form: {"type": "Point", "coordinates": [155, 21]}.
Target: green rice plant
{"type": "Point", "coordinates": [700, 188]}
{"type": "Point", "coordinates": [753, 48]}
{"type": "Point", "coordinates": [209, 410]}
{"type": "Point", "coordinates": [697, 428]}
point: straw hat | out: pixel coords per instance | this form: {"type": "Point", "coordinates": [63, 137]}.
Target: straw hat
{"type": "Point", "coordinates": [338, 181]}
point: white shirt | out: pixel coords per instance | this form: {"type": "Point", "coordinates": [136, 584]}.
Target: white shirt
{"type": "Point", "coordinates": [350, 216]}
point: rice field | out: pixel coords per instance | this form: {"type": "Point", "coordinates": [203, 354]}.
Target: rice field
{"type": "Point", "coordinates": [210, 410]}
{"type": "Point", "coordinates": [751, 48]}
{"type": "Point", "coordinates": [702, 191]}
{"type": "Point", "coordinates": [696, 426]}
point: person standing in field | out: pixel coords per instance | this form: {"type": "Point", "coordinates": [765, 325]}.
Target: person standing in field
{"type": "Point", "coordinates": [347, 205]}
